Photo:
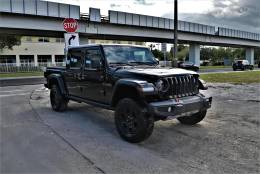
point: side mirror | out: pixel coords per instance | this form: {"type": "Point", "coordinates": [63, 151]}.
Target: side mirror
{"type": "Point", "coordinates": [158, 61]}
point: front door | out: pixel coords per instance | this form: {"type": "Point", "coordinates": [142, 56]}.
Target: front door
{"type": "Point", "coordinates": [93, 75]}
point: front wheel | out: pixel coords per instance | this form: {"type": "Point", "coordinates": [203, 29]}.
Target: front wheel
{"type": "Point", "coordinates": [132, 121]}
{"type": "Point", "coordinates": [193, 119]}
{"type": "Point", "coordinates": [58, 101]}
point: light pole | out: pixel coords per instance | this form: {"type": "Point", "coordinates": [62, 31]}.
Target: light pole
{"type": "Point", "coordinates": [175, 50]}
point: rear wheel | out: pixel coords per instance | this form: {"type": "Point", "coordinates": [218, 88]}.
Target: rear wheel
{"type": "Point", "coordinates": [132, 121]}
{"type": "Point", "coordinates": [58, 101]}
{"type": "Point", "coordinates": [193, 119]}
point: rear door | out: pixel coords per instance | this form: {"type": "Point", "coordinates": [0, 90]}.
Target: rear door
{"type": "Point", "coordinates": [74, 72]}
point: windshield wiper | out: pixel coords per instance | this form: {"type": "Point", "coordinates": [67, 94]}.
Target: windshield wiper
{"type": "Point", "coordinates": [120, 63]}
{"type": "Point", "coordinates": [144, 63]}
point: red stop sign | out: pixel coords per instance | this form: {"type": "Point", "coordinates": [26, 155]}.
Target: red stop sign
{"type": "Point", "coordinates": [70, 25]}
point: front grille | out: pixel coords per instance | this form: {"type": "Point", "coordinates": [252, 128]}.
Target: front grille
{"type": "Point", "coordinates": [182, 86]}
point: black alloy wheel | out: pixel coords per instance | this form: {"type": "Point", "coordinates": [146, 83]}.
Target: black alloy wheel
{"type": "Point", "coordinates": [132, 121]}
{"type": "Point", "coordinates": [58, 101]}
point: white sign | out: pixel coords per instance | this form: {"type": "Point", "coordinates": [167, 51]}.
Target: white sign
{"type": "Point", "coordinates": [164, 47]}
{"type": "Point", "coordinates": [71, 39]}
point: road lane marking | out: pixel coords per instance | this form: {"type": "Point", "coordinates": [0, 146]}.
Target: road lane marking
{"type": "Point", "coordinates": [10, 95]}
{"type": "Point", "coordinates": [16, 90]}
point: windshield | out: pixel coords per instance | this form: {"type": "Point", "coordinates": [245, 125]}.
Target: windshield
{"type": "Point", "coordinates": [119, 54]}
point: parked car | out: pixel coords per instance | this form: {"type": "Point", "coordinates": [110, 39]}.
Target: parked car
{"type": "Point", "coordinates": [242, 65]}
{"type": "Point", "coordinates": [189, 66]}
{"type": "Point", "coordinates": [128, 80]}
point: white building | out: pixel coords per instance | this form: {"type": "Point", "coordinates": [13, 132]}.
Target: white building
{"type": "Point", "coordinates": [42, 51]}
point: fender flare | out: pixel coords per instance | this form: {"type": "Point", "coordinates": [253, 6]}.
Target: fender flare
{"type": "Point", "coordinates": [126, 83]}
{"type": "Point", "coordinates": [57, 79]}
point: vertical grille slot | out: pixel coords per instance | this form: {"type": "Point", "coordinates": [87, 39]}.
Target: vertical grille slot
{"type": "Point", "coordinates": [182, 86]}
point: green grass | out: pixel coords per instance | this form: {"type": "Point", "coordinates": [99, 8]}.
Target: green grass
{"type": "Point", "coordinates": [215, 67]}
{"type": "Point", "coordinates": [233, 77]}
{"type": "Point", "coordinates": [21, 74]}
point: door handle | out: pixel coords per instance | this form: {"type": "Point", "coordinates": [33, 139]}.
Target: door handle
{"type": "Point", "coordinates": [78, 76]}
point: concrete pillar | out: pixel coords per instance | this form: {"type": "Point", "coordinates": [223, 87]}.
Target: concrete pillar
{"type": "Point", "coordinates": [250, 55]}
{"type": "Point", "coordinates": [35, 57]}
{"type": "Point", "coordinates": [194, 54]}
{"type": "Point", "coordinates": [18, 62]}
{"type": "Point", "coordinates": [53, 60]}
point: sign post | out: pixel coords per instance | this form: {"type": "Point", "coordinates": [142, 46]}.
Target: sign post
{"type": "Point", "coordinates": [164, 50]}
{"type": "Point", "coordinates": [71, 38]}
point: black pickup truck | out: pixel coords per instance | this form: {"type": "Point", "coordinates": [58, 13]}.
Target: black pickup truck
{"type": "Point", "coordinates": [128, 80]}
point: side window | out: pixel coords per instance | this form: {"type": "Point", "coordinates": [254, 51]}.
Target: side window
{"type": "Point", "coordinates": [75, 59]}
{"type": "Point", "coordinates": [93, 59]}
{"type": "Point", "coordinates": [139, 56]}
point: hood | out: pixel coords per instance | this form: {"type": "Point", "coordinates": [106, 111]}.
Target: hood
{"type": "Point", "coordinates": [162, 71]}
{"type": "Point", "coordinates": [150, 72]}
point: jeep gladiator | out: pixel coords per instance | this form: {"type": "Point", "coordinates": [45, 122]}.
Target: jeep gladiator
{"type": "Point", "coordinates": [128, 80]}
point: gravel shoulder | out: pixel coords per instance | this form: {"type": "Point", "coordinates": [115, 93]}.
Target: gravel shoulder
{"type": "Point", "coordinates": [227, 141]}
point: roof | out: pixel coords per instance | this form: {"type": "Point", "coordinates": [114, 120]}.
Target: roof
{"type": "Point", "coordinates": [93, 45]}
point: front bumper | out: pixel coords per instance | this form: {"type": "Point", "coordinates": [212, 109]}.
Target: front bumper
{"type": "Point", "coordinates": [180, 107]}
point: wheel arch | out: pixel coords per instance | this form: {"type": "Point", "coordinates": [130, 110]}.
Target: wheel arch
{"type": "Point", "coordinates": [58, 80]}
{"type": "Point", "coordinates": [126, 89]}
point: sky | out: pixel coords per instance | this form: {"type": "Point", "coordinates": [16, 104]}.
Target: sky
{"type": "Point", "coordinates": [235, 14]}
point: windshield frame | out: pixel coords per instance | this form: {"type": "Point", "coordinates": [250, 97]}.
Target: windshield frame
{"type": "Point", "coordinates": [151, 58]}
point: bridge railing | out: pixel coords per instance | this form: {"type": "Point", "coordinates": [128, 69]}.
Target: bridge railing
{"type": "Point", "coordinates": [237, 34]}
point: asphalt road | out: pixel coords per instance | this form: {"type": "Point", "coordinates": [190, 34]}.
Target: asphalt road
{"type": "Point", "coordinates": [34, 139]}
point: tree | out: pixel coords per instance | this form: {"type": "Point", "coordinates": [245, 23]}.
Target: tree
{"type": "Point", "coordinates": [158, 54]}
{"type": "Point", "coordinates": [152, 46]}
{"type": "Point", "coordinates": [8, 41]}
{"type": "Point", "coordinates": [183, 52]}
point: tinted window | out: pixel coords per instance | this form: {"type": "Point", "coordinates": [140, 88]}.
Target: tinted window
{"type": "Point", "coordinates": [93, 59]}
{"type": "Point", "coordinates": [75, 59]}
{"type": "Point", "coordinates": [128, 54]}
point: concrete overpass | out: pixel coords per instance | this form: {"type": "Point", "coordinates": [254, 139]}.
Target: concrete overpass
{"type": "Point", "coordinates": [119, 26]}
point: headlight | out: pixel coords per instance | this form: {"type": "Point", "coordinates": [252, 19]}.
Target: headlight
{"type": "Point", "coordinates": [162, 85]}
{"type": "Point", "coordinates": [202, 85]}
{"type": "Point", "coordinates": [147, 87]}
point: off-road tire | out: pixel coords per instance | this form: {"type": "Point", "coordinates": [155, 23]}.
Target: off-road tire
{"type": "Point", "coordinates": [58, 102]}
{"type": "Point", "coordinates": [193, 119]}
{"type": "Point", "coordinates": [132, 121]}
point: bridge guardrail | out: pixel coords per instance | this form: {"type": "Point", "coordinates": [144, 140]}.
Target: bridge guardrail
{"type": "Point", "coordinates": [118, 17]}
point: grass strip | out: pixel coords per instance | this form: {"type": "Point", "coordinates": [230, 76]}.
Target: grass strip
{"type": "Point", "coordinates": [246, 77]}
